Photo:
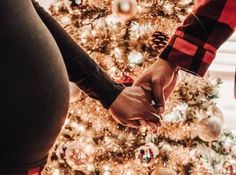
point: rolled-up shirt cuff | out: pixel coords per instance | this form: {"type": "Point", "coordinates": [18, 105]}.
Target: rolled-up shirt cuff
{"type": "Point", "coordinates": [188, 55]}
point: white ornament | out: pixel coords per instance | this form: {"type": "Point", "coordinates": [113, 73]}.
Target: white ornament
{"type": "Point", "coordinates": [78, 2]}
{"type": "Point", "coordinates": [135, 57]}
{"type": "Point", "coordinates": [124, 9]}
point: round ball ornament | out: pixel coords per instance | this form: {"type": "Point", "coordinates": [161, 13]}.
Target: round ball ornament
{"type": "Point", "coordinates": [124, 9]}
{"type": "Point", "coordinates": [147, 153]}
{"type": "Point", "coordinates": [135, 58]}
{"type": "Point", "coordinates": [209, 129]}
{"type": "Point", "coordinates": [163, 171]}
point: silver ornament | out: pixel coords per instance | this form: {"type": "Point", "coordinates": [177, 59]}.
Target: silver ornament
{"type": "Point", "coordinates": [135, 58]}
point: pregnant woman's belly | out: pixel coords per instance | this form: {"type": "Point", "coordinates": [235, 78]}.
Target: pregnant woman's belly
{"type": "Point", "coordinates": [34, 91]}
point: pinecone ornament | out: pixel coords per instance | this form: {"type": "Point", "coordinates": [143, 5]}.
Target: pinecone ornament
{"type": "Point", "coordinates": [159, 40]}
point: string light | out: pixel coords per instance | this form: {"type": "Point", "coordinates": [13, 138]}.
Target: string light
{"type": "Point", "coordinates": [92, 142]}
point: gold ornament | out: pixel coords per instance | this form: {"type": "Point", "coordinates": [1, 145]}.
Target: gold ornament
{"type": "Point", "coordinates": [163, 171]}
{"type": "Point", "coordinates": [209, 129]}
{"type": "Point", "coordinates": [124, 9]}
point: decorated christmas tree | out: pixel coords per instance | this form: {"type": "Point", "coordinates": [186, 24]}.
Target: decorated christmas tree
{"type": "Point", "coordinates": [125, 37]}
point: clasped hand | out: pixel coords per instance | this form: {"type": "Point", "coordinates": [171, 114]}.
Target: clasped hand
{"type": "Point", "coordinates": [133, 106]}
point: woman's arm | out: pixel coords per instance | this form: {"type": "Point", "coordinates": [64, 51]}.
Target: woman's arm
{"type": "Point", "coordinates": [81, 68]}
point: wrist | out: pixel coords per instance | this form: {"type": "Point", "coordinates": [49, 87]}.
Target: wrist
{"type": "Point", "coordinates": [172, 66]}
{"type": "Point", "coordinates": [167, 66]}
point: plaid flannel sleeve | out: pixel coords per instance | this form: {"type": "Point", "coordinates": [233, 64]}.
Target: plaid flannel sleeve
{"type": "Point", "coordinates": [194, 44]}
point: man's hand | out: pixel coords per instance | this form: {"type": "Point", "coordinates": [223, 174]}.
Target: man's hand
{"type": "Point", "coordinates": [159, 80]}
{"type": "Point", "coordinates": [134, 105]}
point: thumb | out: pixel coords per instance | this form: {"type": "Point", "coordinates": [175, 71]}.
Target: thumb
{"type": "Point", "coordinates": [159, 97]}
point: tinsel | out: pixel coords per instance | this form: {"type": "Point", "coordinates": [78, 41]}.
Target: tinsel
{"type": "Point", "coordinates": [92, 143]}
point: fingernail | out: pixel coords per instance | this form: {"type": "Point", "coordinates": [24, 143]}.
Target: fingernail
{"type": "Point", "coordinates": [161, 109]}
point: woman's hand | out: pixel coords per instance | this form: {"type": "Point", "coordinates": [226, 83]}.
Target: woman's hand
{"type": "Point", "coordinates": [132, 106]}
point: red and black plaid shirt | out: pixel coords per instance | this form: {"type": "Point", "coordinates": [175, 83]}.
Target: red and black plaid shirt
{"type": "Point", "coordinates": [194, 44]}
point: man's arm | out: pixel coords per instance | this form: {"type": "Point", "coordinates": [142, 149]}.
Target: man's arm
{"type": "Point", "coordinates": [192, 47]}
{"type": "Point", "coordinates": [81, 68]}
{"type": "Point", "coordinates": [194, 44]}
